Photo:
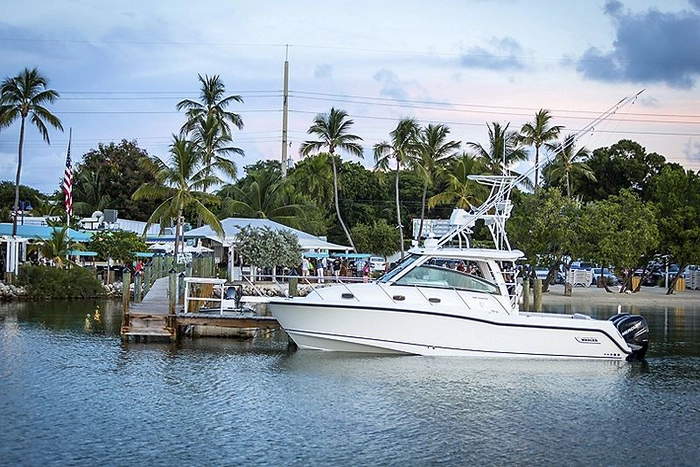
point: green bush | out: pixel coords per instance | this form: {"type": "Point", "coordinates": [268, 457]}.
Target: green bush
{"type": "Point", "coordinates": [45, 282]}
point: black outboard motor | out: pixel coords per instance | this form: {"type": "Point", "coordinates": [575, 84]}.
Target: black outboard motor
{"type": "Point", "coordinates": [635, 330]}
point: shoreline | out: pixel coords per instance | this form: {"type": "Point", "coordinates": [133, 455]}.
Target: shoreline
{"type": "Point", "coordinates": [599, 296]}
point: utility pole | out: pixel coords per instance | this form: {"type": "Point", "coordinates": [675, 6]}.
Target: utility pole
{"type": "Point", "coordinates": [285, 109]}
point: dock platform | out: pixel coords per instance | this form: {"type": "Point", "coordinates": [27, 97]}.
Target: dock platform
{"type": "Point", "coordinates": [151, 317]}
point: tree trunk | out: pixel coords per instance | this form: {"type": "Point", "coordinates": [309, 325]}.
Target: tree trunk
{"type": "Point", "coordinates": [17, 179]}
{"type": "Point", "coordinates": [398, 210]}
{"type": "Point", "coordinates": [337, 206]}
{"type": "Point", "coordinates": [422, 212]}
{"type": "Point", "coordinates": [178, 227]}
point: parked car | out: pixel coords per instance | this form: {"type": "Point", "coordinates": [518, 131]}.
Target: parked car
{"type": "Point", "coordinates": [377, 263]}
{"type": "Point", "coordinates": [610, 278]}
{"type": "Point", "coordinates": [541, 273]}
{"type": "Point", "coordinates": [581, 265]}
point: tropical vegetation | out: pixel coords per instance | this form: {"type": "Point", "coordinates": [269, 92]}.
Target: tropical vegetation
{"type": "Point", "coordinates": [618, 206]}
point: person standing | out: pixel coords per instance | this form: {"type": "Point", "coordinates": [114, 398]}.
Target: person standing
{"type": "Point", "coordinates": [365, 272]}
{"type": "Point", "coordinates": [305, 266]}
{"type": "Point", "coordinates": [320, 269]}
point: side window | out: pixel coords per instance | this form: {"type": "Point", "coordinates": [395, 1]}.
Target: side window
{"type": "Point", "coordinates": [442, 277]}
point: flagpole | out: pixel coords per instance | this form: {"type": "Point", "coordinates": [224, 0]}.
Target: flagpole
{"type": "Point", "coordinates": [68, 184]}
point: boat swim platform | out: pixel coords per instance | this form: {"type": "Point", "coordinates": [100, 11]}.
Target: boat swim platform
{"type": "Point", "coordinates": [151, 318]}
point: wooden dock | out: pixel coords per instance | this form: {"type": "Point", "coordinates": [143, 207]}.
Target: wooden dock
{"type": "Point", "coordinates": [151, 317]}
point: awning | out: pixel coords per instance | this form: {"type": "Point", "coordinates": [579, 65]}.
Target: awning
{"type": "Point", "coordinates": [81, 253]}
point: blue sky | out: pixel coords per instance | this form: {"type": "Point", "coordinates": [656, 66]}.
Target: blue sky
{"type": "Point", "coordinates": [120, 67]}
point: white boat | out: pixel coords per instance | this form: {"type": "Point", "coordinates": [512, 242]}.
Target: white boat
{"type": "Point", "coordinates": [426, 306]}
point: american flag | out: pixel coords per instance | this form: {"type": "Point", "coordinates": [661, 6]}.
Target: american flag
{"type": "Point", "coordinates": [68, 181]}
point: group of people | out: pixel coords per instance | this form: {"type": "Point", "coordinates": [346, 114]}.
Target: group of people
{"type": "Point", "coordinates": [334, 267]}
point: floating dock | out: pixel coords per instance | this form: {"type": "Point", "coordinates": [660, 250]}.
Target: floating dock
{"type": "Point", "coordinates": [159, 317]}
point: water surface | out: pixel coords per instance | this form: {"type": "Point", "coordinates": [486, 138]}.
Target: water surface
{"type": "Point", "coordinates": [72, 394]}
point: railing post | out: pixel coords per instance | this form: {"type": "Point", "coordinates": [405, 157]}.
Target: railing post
{"type": "Point", "coordinates": [148, 277]}
{"type": "Point", "coordinates": [137, 287]}
{"type": "Point", "coordinates": [126, 283]}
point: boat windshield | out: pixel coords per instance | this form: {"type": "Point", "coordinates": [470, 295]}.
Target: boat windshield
{"type": "Point", "coordinates": [408, 261]}
{"type": "Point", "coordinates": [428, 275]}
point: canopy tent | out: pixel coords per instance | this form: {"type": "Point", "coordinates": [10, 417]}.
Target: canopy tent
{"type": "Point", "coordinates": [82, 253]}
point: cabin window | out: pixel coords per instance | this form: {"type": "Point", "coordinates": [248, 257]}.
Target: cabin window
{"type": "Point", "coordinates": [428, 275]}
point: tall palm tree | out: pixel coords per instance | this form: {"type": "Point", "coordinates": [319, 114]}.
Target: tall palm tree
{"type": "Point", "coordinates": [212, 102]}
{"type": "Point", "coordinates": [209, 123]}
{"type": "Point", "coordinates": [538, 133]}
{"type": "Point", "coordinates": [182, 183]}
{"type": "Point", "coordinates": [461, 192]}
{"type": "Point", "coordinates": [403, 150]}
{"type": "Point", "coordinates": [24, 96]}
{"type": "Point", "coordinates": [504, 150]}
{"type": "Point", "coordinates": [568, 162]}
{"type": "Point", "coordinates": [435, 151]}
{"type": "Point", "coordinates": [332, 130]}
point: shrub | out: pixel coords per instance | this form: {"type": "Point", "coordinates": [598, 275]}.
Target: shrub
{"type": "Point", "coordinates": [45, 282]}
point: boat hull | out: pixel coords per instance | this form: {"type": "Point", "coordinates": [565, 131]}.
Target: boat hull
{"type": "Point", "coordinates": [446, 332]}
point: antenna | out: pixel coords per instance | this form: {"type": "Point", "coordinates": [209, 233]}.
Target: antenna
{"type": "Point", "coordinates": [496, 210]}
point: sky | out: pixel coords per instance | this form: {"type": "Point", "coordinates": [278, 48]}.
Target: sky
{"type": "Point", "coordinates": [120, 67]}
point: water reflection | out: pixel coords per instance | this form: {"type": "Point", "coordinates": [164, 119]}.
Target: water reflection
{"type": "Point", "coordinates": [77, 396]}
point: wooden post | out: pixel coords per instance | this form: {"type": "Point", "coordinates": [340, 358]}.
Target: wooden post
{"type": "Point", "coordinates": [148, 277]}
{"type": "Point", "coordinates": [172, 292]}
{"type": "Point", "coordinates": [126, 283]}
{"type": "Point", "coordinates": [293, 282]}
{"type": "Point", "coordinates": [538, 295]}
{"type": "Point", "coordinates": [526, 293]}
{"type": "Point", "coordinates": [172, 300]}
{"type": "Point", "coordinates": [137, 287]}
{"type": "Point", "coordinates": [181, 288]}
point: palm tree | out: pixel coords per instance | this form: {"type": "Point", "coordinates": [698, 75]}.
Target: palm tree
{"type": "Point", "coordinates": [25, 96]}
{"type": "Point", "coordinates": [332, 132]}
{"type": "Point", "coordinates": [435, 151]}
{"type": "Point", "coordinates": [568, 161]}
{"type": "Point", "coordinates": [538, 133]}
{"type": "Point", "coordinates": [264, 197]}
{"type": "Point", "coordinates": [504, 149]}
{"type": "Point", "coordinates": [314, 176]}
{"type": "Point", "coordinates": [461, 192]}
{"type": "Point", "coordinates": [182, 184]}
{"type": "Point", "coordinates": [56, 247]}
{"type": "Point", "coordinates": [89, 192]}
{"type": "Point", "coordinates": [209, 122]}
{"type": "Point", "coordinates": [403, 149]}
{"type": "Point", "coordinates": [212, 103]}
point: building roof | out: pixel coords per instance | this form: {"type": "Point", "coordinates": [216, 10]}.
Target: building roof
{"type": "Point", "coordinates": [41, 231]}
{"type": "Point", "coordinates": [233, 225]}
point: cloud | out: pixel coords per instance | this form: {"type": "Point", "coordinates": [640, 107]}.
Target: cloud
{"type": "Point", "coordinates": [650, 47]}
{"type": "Point", "coordinates": [500, 54]}
{"type": "Point", "coordinates": [391, 84]}
{"type": "Point", "coordinates": [692, 151]}
{"type": "Point", "coordinates": [323, 71]}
